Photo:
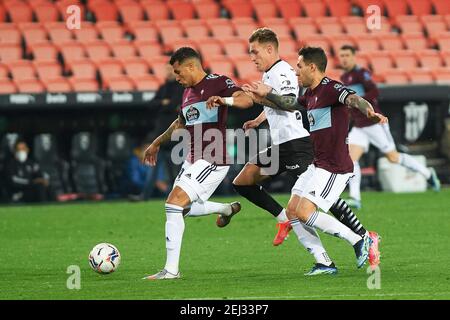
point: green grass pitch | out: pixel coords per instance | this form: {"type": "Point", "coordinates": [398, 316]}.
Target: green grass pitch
{"type": "Point", "coordinates": [39, 243]}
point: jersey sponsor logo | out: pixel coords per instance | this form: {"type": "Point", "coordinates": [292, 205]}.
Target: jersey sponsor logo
{"type": "Point", "coordinates": [230, 83]}
{"type": "Point", "coordinates": [198, 113]}
{"type": "Point", "coordinates": [211, 76]}
{"type": "Point", "coordinates": [292, 167]}
{"type": "Point", "coordinates": [319, 118]}
{"type": "Point", "coordinates": [192, 114]}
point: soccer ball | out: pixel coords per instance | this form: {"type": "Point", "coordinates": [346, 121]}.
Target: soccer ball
{"type": "Point", "coordinates": [104, 258]}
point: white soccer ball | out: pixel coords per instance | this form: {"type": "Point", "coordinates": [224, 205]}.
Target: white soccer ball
{"type": "Point", "coordinates": [104, 258]}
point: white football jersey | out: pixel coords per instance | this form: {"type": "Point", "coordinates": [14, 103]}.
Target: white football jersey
{"type": "Point", "coordinates": [284, 125]}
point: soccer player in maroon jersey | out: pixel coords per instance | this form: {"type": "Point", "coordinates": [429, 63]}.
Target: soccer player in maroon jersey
{"type": "Point", "coordinates": [207, 163]}
{"type": "Point", "coordinates": [365, 132]}
{"type": "Point", "coordinates": [325, 101]}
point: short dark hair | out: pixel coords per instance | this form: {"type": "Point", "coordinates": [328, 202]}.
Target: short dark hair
{"type": "Point", "coordinates": [349, 47]}
{"type": "Point", "coordinates": [264, 35]}
{"type": "Point", "coordinates": [183, 53]}
{"type": "Point", "coordinates": [314, 55]}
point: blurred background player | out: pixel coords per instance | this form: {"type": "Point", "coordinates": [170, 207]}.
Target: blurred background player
{"type": "Point", "coordinates": [201, 172]}
{"type": "Point", "coordinates": [365, 132]}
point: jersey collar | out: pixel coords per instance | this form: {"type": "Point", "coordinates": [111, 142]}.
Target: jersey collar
{"type": "Point", "coordinates": [279, 60]}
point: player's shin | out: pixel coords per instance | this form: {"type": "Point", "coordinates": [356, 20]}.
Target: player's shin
{"type": "Point", "coordinates": [208, 207]}
{"type": "Point", "coordinates": [355, 182]}
{"type": "Point", "coordinates": [257, 195]}
{"type": "Point", "coordinates": [174, 236]}
{"type": "Point", "coordinates": [344, 214]}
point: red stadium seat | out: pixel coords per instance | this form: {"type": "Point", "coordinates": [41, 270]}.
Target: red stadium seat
{"type": "Point", "coordinates": [289, 8]}
{"type": "Point", "coordinates": [290, 58]}
{"type": "Point", "coordinates": [63, 5]}
{"type": "Point", "coordinates": [22, 70]}
{"type": "Point", "coordinates": [3, 71]}
{"type": "Point", "coordinates": [88, 33]}
{"type": "Point", "coordinates": [10, 52]}
{"type": "Point", "coordinates": [207, 9]}
{"type": "Point", "coordinates": [338, 41]}
{"type": "Point", "coordinates": [46, 12]}
{"type": "Point", "coordinates": [404, 59]}
{"type": "Point", "coordinates": [159, 66]}
{"type": "Point", "coordinates": [415, 41]}
{"type": "Point", "coordinates": [119, 84]}
{"type": "Point", "coordinates": [110, 68]}
{"type": "Point", "coordinates": [316, 41]}
{"type": "Point", "coordinates": [221, 28]}
{"type": "Point", "coordinates": [30, 86]}
{"type": "Point", "coordinates": [135, 67]}
{"type": "Point", "coordinates": [148, 48]}
{"type": "Point", "coordinates": [390, 42]}
{"type": "Point", "coordinates": [97, 50]}
{"type": "Point", "coordinates": [131, 11]}
{"type": "Point", "coordinates": [434, 24]}
{"type": "Point", "coordinates": [384, 28]}
{"type": "Point", "coordinates": [7, 86]}
{"type": "Point", "coordinates": [395, 77]}
{"type": "Point", "coordinates": [181, 9]}
{"type": "Point", "coordinates": [441, 6]}
{"type": "Point", "coordinates": [195, 29]}
{"type": "Point", "coordinates": [70, 52]}
{"type": "Point", "coordinates": [2, 14]}
{"type": "Point", "coordinates": [221, 66]}
{"type": "Point", "coordinates": [84, 85]}
{"type": "Point", "coordinates": [288, 45]}
{"type": "Point", "coordinates": [334, 74]}
{"type": "Point", "coordinates": [362, 60]}
{"type": "Point", "coordinates": [178, 43]}
{"type": "Point", "coordinates": [33, 33]}
{"type": "Point", "coordinates": [110, 31]}
{"type": "Point", "coordinates": [314, 8]}
{"type": "Point", "coordinates": [421, 7]}
{"type": "Point", "coordinates": [143, 31]}
{"type": "Point", "coordinates": [146, 83]}
{"type": "Point", "coordinates": [58, 85]}
{"type": "Point", "coordinates": [303, 27]}
{"type": "Point", "coordinates": [279, 26]}
{"type": "Point", "coordinates": [44, 51]}
{"type": "Point", "coordinates": [445, 55]}
{"type": "Point", "coordinates": [354, 25]}
{"type": "Point", "coordinates": [235, 47]}
{"type": "Point", "coordinates": [444, 41]}
{"type": "Point", "coordinates": [58, 32]}
{"type": "Point", "coordinates": [441, 75]}
{"type": "Point", "coordinates": [420, 76]}
{"type": "Point", "coordinates": [156, 10]}
{"type": "Point", "coordinates": [396, 8]}
{"type": "Point", "coordinates": [430, 59]}
{"type": "Point", "coordinates": [48, 70]}
{"type": "Point", "coordinates": [244, 27]}
{"type": "Point", "coordinates": [246, 69]}
{"type": "Point", "coordinates": [20, 12]}
{"type": "Point", "coordinates": [105, 11]}
{"type": "Point", "coordinates": [339, 8]}
{"type": "Point", "coordinates": [367, 42]}
{"type": "Point", "coordinates": [9, 34]}
{"type": "Point", "coordinates": [409, 24]}
{"type": "Point", "coordinates": [123, 49]}
{"type": "Point", "coordinates": [238, 8]}
{"type": "Point", "coordinates": [380, 61]}
{"type": "Point", "coordinates": [210, 48]}
{"type": "Point", "coordinates": [329, 26]}
{"type": "Point", "coordinates": [170, 31]}
{"type": "Point", "coordinates": [365, 4]}
{"type": "Point", "coordinates": [83, 69]}
{"type": "Point", "coordinates": [265, 9]}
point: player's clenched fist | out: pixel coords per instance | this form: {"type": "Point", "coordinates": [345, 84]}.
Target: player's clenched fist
{"type": "Point", "coordinates": [376, 117]}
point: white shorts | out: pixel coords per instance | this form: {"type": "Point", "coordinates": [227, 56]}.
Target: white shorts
{"type": "Point", "coordinates": [378, 134]}
{"type": "Point", "coordinates": [200, 179]}
{"type": "Point", "coordinates": [321, 187]}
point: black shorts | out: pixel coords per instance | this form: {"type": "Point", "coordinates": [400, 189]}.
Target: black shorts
{"type": "Point", "coordinates": [294, 157]}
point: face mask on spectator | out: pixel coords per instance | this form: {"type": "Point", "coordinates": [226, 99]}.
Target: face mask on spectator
{"type": "Point", "coordinates": [21, 155]}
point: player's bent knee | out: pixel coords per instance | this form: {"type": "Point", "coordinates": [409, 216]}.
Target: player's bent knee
{"type": "Point", "coordinates": [178, 197]}
{"type": "Point", "coordinates": [249, 175]}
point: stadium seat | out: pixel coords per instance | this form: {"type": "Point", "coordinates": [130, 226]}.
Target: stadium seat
{"type": "Point", "coordinates": [7, 86]}
{"type": "Point", "coordinates": [244, 27]}
{"type": "Point", "coordinates": [156, 10]}
{"type": "Point", "coordinates": [441, 76]}
{"type": "Point", "coordinates": [379, 61]}
{"type": "Point", "coordinates": [119, 149]}
{"type": "Point", "coordinates": [195, 29]}
{"type": "Point", "coordinates": [384, 28]}
{"type": "Point", "coordinates": [288, 45]}
{"type": "Point", "coordinates": [362, 60]}
{"type": "Point", "coordinates": [289, 8]}
{"type": "Point", "coordinates": [19, 12]}
{"type": "Point", "coordinates": [339, 8]}
{"type": "Point", "coordinates": [158, 66]}
{"type": "Point", "coordinates": [367, 42]}
{"type": "Point", "coordinates": [109, 68]}
{"type": "Point", "coordinates": [44, 51]}
{"type": "Point", "coordinates": [395, 77]}
{"type": "Point", "coordinates": [29, 86]}
{"type": "Point", "coordinates": [135, 67]}
{"type": "Point", "coordinates": [58, 85]}
{"type": "Point", "coordinates": [143, 31]}
{"type": "Point", "coordinates": [110, 31]}
{"type": "Point", "coordinates": [2, 13]}
{"type": "Point", "coordinates": [441, 6]}
{"type": "Point", "coordinates": [72, 51]}
{"type": "Point", "coordinates": [318, 40]}
{"type": "Point", "coordinates": [396, 8]}
{"type": "Point", "coordinates": [146, 83]}
{"type": "Point", "coordinates": [207, 9]}
{"type": "Point", "coordinates": [33, 33]}
{"type": "Point", "coordinates": [58, 32]}
{"type": "Point", "coordinates": [415, 41]}
{"type": "Point", "coordinates": [365, 4]}
{"type": "Point", "coordinates": [444, 41]}
{"type": "Point", "coordinates": [48, 70]}
{"type": "Point", "coordinates": [210, 48]}
{"type": "Point", "coordinates": [433, 24]}
{"type": "Point", "coordinates": [221, 66]}
{"type": "Point", "coordinates": [265, 9]}
{"type": "Point", "coordinates": [404, 59]}
{"type": "Point", "coordinates": [170, 31]}
{"type": "Point", "coordinates": [10, 52]}
{"type": "Point", "coordinates": [46, 12]}
{"type": "Point", "coordinates": [3, 71]}
{"type": "Point", "coordinates": [354, 25]}
{"type": "Point", "coordinates": [22, 70]}
{"type": "Point", "coordinates": [420, 7]}
{"type": "Point", "coordinates": [181, 9]}
{"type": "Point", "coordinates": [409, 24]}
{"type": "Point", "coordinates": [84, 85]}
{"type": "Point", "coordinates": [246, 69]}
{"type": "Point", "coordinates": [314, 8]}
{"type": "Point", "coordinates": [303, 27]}
{"type": "Point", "coordinates": [88, 33]}
{"type": "Point", "coordinates": [329, 26]}
{"type": "Point", "coordinates": [130, 11]}
{"type": "Point", "coordinates": [390, 42]}
{"type": "Point", "coordinates": [82, 70]}
{"type": "Point", "coordinates": [9, 34]}
{"type": "Point", "coordinates": [420, 76]}
{"type": "Point", "coordinates": [97, 50]}
{"type": "Point", "coordinates": [63, 5]}
{"type": "Point", "coordinates": [105, 11]}
{"type": "Point", "coordinates": [238, 8]}
{"type": "Point", "coordinates": [123, 49]}
{"type": "Point", "coordinates": [148, 48]}
{"type": "Point", "coordinates": [221, 28]}
{"type": "Point", "coordinates": [334, 74]}
{"type": "Point", "coordinates": [279, 26]}
{"type": "Point", "coordinates": [290, 58]}
{"type": "Point", "coordinates": [337, 41]}
{"type": "Point", "coordinates": [430, 59]}
{"type": "Point", "coordinates": [445, 55]}
{"type": "Point", "coordinates": [235, 47]}
{"type": "Point", "coordinates": [122, 83]}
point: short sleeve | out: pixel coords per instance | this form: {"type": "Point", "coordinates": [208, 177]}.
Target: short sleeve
{"type": "Point", "coordinates": [284, 81]}
{"type": "Point", "coordinates": [338, 92]}
{"type": "Point", "coordinates": [228, 86]}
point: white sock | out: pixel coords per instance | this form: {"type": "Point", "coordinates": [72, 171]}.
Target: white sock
{"type": "Point", "coordinates": [174, 236]}
{"type": "Point", "coordinates": [409, 162]}
{"type": "Point", "coordinates": [355, 182]}
{"type": "Point", "coordinates": [208, 207]}
{"type": "Point", "coordinates": [282, 217]}
{"type": "Point", "coordinates": [332, 226]}
{"type": "Point", "coordinates": [309, 238]}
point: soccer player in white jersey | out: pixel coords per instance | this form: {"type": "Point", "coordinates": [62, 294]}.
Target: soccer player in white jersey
{"type": "Point", "coordinates": [364, 133]}
{"type": "Point", "coordinates": [326, 102]}
{"type": "Point", "coordinates": [292, 141]}
{"type": "Point", "coordinates": [201, 172]}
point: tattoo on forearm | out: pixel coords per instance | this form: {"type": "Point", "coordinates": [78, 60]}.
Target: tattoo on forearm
{"type": "Point", "coordinates": [166, 135]}
{"type": "Point", "coordinates": [285, 103]}
{"type": "Point", "coordinates": [359, 103]}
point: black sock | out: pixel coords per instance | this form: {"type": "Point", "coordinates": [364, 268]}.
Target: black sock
{"type": "Point", "coordinates": [260, 197]}
{"type": "Point", "coordinates": [344, 214]}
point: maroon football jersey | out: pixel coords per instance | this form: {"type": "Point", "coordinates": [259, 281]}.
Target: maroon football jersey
{"type": "Point", "coordinates": [329, 123]}
{"type": "Point", "coordinates": [199, 119]}
{"type": "Point", "coordinates": [360, 80]}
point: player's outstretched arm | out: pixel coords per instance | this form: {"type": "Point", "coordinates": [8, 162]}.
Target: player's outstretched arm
{"type": "Point", "coordinates": [238, 99]}
{"type": "Point", "coordinates": [151, 153]}
{"type": "Point", "coordinates": [272, 100]}
{"type": "Point", "coordinates": [365, 107]}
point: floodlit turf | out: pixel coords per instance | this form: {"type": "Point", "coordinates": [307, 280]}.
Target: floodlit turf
{"type": "Point", "coordinates": [39, 243]}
